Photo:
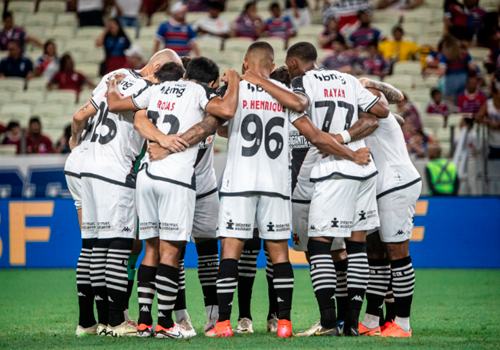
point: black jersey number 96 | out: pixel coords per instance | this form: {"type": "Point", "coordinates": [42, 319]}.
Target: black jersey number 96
{"type": "Point", "coordinates": [261, 133]}
{"type": "Point", "coordinates": [104, 120]}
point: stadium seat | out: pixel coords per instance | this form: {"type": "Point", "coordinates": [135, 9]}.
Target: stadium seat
{"type": "Point", "coordinates": [385, 28]}
{"type": "Point", "coordinates": [90, 33]}
{"type": "Point", "coordinates": [208, 44]}
{"type": "Point", "coordinates": [67, 19]}
{"type": "Point", "coordinates": [90, 70]}
{"type": "Point", "coordinates": [310, 32]}
{"type": "Point", "coordinates": [52, 6]}
{"type": "Point", "coordinates": [230, 16]}
{"type": "Point", "coordinates": [148, 33]}
{"type": "Point", "coordinates": [433, 121]}
{"type": "Point", "coordinates": [454, 119]}
{"type": "Point", "coordinates": [80, 46]}
{"type": "Point", "coordinates": [413, 29]}
{"type": "Point", "coordinates": [193, 17]}
{"type": "Point", "coordinates": [22, 6]}
{"type": "Point", "coordinates": [433, 29]}
{"type": "Point", "coordinates": [277, 43]}
{"type": "Point", "coordinates": [401, 82]}
{"type": "Point", "coordinates": [20, 112]}
{"type": "Point", "coordinates": [386, 16]}
{"type": "Point", "coordinates": [50, 111]}
{"type": "Point", "coordinates": [428, 82]}
{"type": "Point", "coordinates": [62, 32]}
{"type": "Point", "coordinates": [419, 95]}
{"type": "Point", "coordinates": [429, 39]}
{"type": "Point", "coordinates": [41, 19]}
{"type": "Point", "coordinates": [429, 131]}
{"type": "Point", "coordinates": [8, 150]}
{"type": "Point", "coordinates": [37, 84]}
{"type": "Point", "coordinates": [237, 44]}
{"type": "Point", "coordinates": [408, 67]}
{"type": "Point", "coordinates": [443, 134]}
{"type": "Point", "coordinates": [434, 5]}
{"type": "Point", "coordinates": [479, 53]}
{"type": "Point", "coordinates": [32, 98]}
{"type": "Point", "coordinates": [12, 84]}
{"type": "Point", "coordinates": [235, 6]}
{"type": "Point", "coordinates": [445, 149]}
{"type": "Point", "coordinates": [5, 97]}
{"type": "Point", "coordinates": [158, 18]}
{"type": "Point", "coordinates": [421, 15]}
{"type": "Point", "coordinates": [63, 97]}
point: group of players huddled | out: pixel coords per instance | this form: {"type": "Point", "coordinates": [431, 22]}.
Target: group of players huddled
{"type": "Point", "coordinates": [297, 161]}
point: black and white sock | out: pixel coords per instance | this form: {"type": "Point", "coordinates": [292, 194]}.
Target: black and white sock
{"type": "Point", "coordinates": [146, 289]}
{"type": "Point", "coordinates": [84, 288]}
{"type": "Point", "coordinates": [403, 283]}
{"type": "Point", "coordinates": [132, 261]}
{"type": "Point", "coordinates": [98, 279]}
{"type": "Point", "coordinates": [117, 278]}
{"type": "Point", "coordinates": [341, 290]}
{"type": "Point", "coordinates": [247, 269]}
{"type": "Point", "coordinates": [167, 284]}
{"type": "Point", "coordinates": [390, 305]}
{"type": "Point", "coordinates": [358, 274]}
{"type": "Point", "coordinates": [273, 299]}
{"type": "Point", "coordinates": [380, 277]}
{"type": "Point", "coordinates": [323, 279]}
{"type": "Point", "coordinates": [180, 308]}
{"type": "Point", "coordinates": [227, 280]}
{"type": "Point", "coordinates": [208, 265]}
{"type": "Point", "coordinates": [283, 285]}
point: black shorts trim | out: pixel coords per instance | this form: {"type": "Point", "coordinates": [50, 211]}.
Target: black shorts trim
{"type": "Point", "coordinates": [301, 201]}
{"type": "Point", "coordinates": [394, 189]}
{"type": "Point", "coordinates": [350, 177]}
{"type": "Point", "coordinates": [175, 182]}
{"type": "Point", "coordinates": [69, 173]}
{"type": "Point", "coordinates": [105, 179]}
{"type": "Point", "coordinates": [206, 194]}
{"type": "Point", "coordinates": [254, 193]}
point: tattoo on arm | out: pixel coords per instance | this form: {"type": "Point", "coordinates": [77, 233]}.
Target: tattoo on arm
{"type": "Point", "coordinates": [364, 127]}
{"type": "Point", "coordinates": [202, 130]}
{"type": "Point", "coordinates": [392, 94]}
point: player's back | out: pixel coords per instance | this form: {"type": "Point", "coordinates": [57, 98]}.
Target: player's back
{"type": "Point", "coordinates": [258, 156]}
{"type": "Point", "coordinates": [391, 156]}
{"type": "Point", "coordinates": [204, 166]}
{"type": "Point", "coordinates": [334, 99]}
{"type": "Point", "coordinates": [174, 107]}
{"type": "Point", "coordinates": [114, 144]}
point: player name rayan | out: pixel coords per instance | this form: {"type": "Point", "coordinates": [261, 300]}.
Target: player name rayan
{"type": "Point", "coordinates": [263, 105]}
{"type": "Point", "coordinates": [329, 77]}
{"type": "Point", "coordinates": [173, 91]}
{"type": "Point", "coordinates": [334, 93]}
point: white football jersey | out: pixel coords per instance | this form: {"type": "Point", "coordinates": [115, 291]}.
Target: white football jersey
{"type": "Point", "coordinates": [76, 158]}
{"type": "Point", "coordinates": [174, 107]}
{"type": "Point", "coordinates": [102, 83]}
{"type": "Point", "coordinates": [204, 167]}
{"type": "Point", "coordinates": [334, 99]}
{"type": "Point", "coordinates": [388, 148]}
{"type": "Point", "coordinates": [114, 145]}
{"type": "Point", "coordinates": [258, 156]}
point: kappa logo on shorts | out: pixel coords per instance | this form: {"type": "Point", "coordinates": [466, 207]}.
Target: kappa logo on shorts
{"type": "Point", "coordinates": [230, 225]}
{"type": "Point", "coordinates": [362, 215]}
{"type": "Point", "coordinates": [335, 222]}
{"type": "Point", "coordinates": [312, 228]}
{"type": "Point", "coordinates": [296, 239]}
{"type": "Point", "coordinates": [270, 227]}
{"type": "Point", "coordinates": [126, 229]}
{"type": "Point", "coordinates": [400, 233]}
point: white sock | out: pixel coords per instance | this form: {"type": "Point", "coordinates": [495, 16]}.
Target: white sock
{"type": "Point", "coordinates": [125, 314]}
{"type": "Point", "coordinates": [212, 312]}
{"type": "Point", "coordinates": [403, 322]}
{"type": "Point", "coordinates": [370, 321]}
{"type": "Point", "coordinates": [180, 314]}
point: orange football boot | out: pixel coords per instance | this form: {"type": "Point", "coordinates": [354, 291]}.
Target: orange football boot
{"type": "Point", "coordinates": [285, 329]}
{"type": "Point", "coordinates": [368, 331]}
{"type": "Point", "coordinates": [221, 330]}
{"type": "Point", "coordinates": [395, 331]}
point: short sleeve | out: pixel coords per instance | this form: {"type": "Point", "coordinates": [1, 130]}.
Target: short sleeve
{"type": "Point", "coordinates": [101, 84]}
{"type": "Point", "coordinates": [428, 109]}
{"type": "Point", "coordinates": [160, 34]}
{"type": "Point", "coordinates": [29, 65]}
{"type": "Point", "coordinates": [191, 33]}
{"type": "Point", "coordinates": [302, 85]}
{"type": "Point", "coordinates": [460, 103]}
{"type": "Point", "coordinates": [376, 34]}
{"type": "Point", "coordinates": [365, 99]}
{"type": "Point", "coordinates": [443, 62]}
{"type": "Point", "coordinates": [98, 97]}
{"type": "Point", "coordinates": [293, 116]}
{"type": "Point", "coordinates": [206, 94]}
{"type": "Point", "coordinates": [142, 97]}
{"type": "Point", "coordinates": [55, 79]}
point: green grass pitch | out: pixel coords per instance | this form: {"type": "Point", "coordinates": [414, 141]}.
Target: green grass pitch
{"type": "Point", "coordinates": [452, 309]}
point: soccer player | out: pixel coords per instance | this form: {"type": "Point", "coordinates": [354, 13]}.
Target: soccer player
{"type": "Point", "coordinates": [257, 150]}
{"type": "Point", "coordinates": [343, 202]}
{"type": "Point", "coordinates": [166, 188]}
{"type": "Point", "coordinates": [108, 188]}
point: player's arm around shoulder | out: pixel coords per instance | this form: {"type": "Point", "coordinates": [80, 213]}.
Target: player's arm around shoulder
{"type": "Point", "coordinates": [225, 107]}
{"type": "Point", "coordinates": [79, 119]}
{"type": "Point", "coordinates": [117, 103]}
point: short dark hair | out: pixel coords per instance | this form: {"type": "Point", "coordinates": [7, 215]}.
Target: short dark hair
{"type": "Point", "coordinates": [281, 74]}
{"type": "Point", "coordinates": [304, 51]}
{"type": "Point", "coordinates": [274, 5]}
{"type": "Point", "coordinates": [6, 14]}
{"type": "Point", "coordinates": [62, 62]}
{"type": "Point", "coordinates": [340, 39]}
{"type": "Point", "coordinates": [203, 70]}
{"type": "Point", "coordinates": [12, 124]}
{"type": "Point", "coordinates": [35, 119]}
{"type": "Point", "coordinates": [185, 61]}
{"type": "Point", "coordinates": [361, 12]}
{"type": "Point", "coordinates": [398, 27]}
{"type": "Point", "coordinates": [374, 43]}
{"type": "Point", "coordinates": [471, 74]}
{"type": "Point", "coordinates": [434, 91]}
{"type": "Point", "coordinates": [261, 46]}
{"type": "Point", "coordinates": [216, 5]}
{"type": "Point", "coordinates": [248, 5]}
{"type": "Point", "coordinates": [171, 71]}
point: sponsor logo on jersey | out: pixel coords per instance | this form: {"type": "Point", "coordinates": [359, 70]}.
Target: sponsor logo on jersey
{"type": "Point", "coordinates": [178, 92]}
{"type": "Point", "coordinates": [335, 222]}
{"type": "Point", "coordinates": [104, 226]}
{"type": "Point", "coordinates": [230, 225]}
{"type": "Point", "coordinates": [296, 140]}
{"type": "Point", "coordinates": [169, 226]}
{"type": "Point", "coordinates": [329, 77]}
{"type": "Point", "coordinates": [270, 227]}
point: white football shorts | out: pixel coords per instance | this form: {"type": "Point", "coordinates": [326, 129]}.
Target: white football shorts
{"type": "Point", "coordinates": [340, 206]}
{"type": "Point", "coordinates": [396, 210]}
{"type": "Point", "coordinates": [238, 216]}
{"type": "Point", "coordinates": [165, 209]}
{"type": "Point", "coordinates": [206, 211]}
{"type": "Point", "coordinates": [75, 188]}
{"type": "Point", "coordinates": [107, 209]}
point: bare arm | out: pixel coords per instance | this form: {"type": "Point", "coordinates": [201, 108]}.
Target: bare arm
{"type": "Point", "coordinates": [392, 94]}
{"type": "Point", "coordinates": [222, 131]}
{"type": "Point", "coordinates": [290, 100]}
{"type": "Point", "coordinates": [208, 126]}
{"type": "Point", "coordinates": [196, 49]}
{"type": "Point", "coordinates": [399, 119]}
{"type": "Point", "coordinates": [79, 119]}
{"type": "Point", "coordinates": [150, 132]}
{"type": "Point", "coordinates": [117, 103]}
{"type": "Point", "coordinates": [364, 127]}
{"type": "Point", "coordinates": [225, 107]}
{"type": "Point", "coordinates": [326, 143]}
{"type": "Point", "coordinates": [156, 46]}
{"type": "Point", "coordinates": [482, 115]}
